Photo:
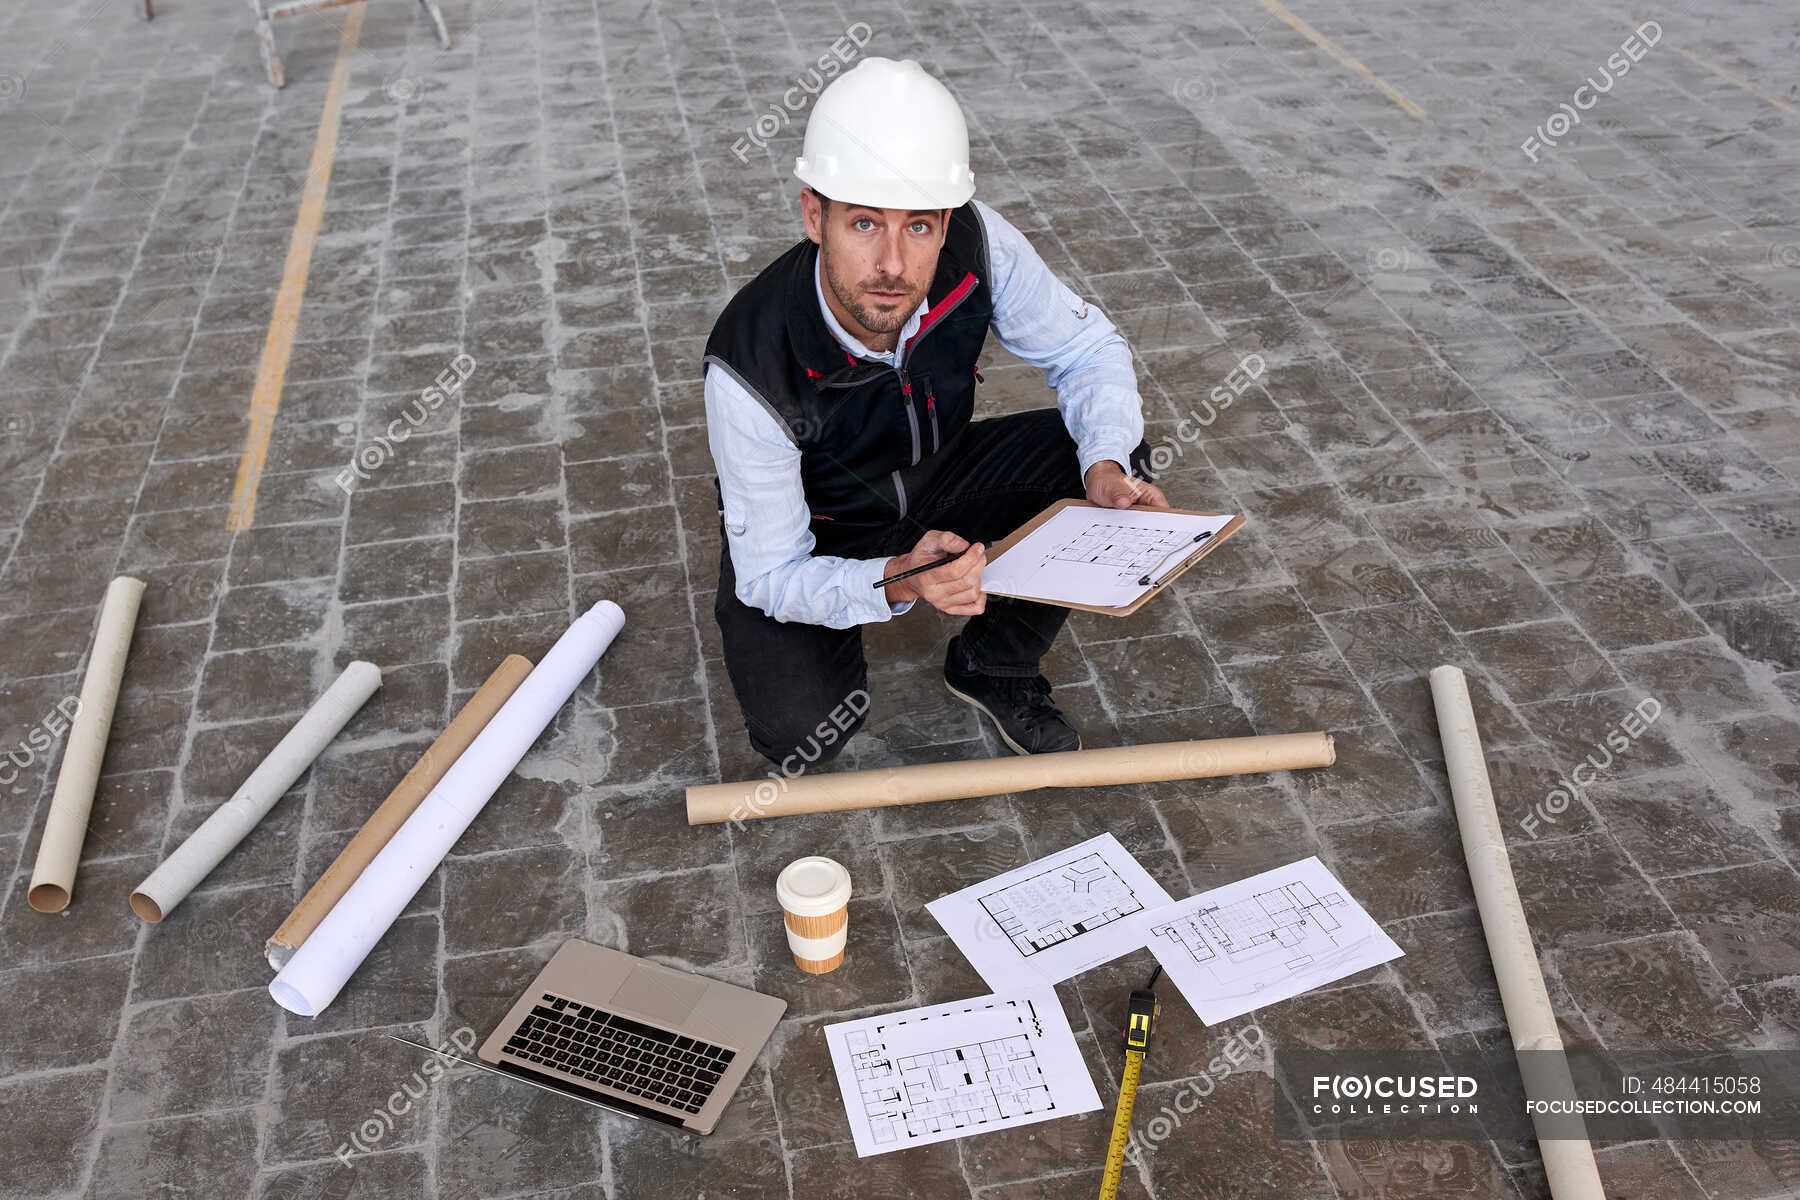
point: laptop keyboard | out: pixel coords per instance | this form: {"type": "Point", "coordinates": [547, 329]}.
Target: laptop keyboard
{"type": "Point", "coordinates": [626, 1055]}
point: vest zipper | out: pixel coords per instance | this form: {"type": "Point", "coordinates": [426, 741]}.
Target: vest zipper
{"type": "Point", "coordinates": [955, 298]}
{"type": "Point", "coordinates": [912, 416]}
{"type": "Point", "coordinates": [957, 295]}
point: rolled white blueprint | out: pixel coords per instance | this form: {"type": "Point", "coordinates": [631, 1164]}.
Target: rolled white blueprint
{"type": "Point", "coordinates": [316, 973]}
{"type": "Point", "coordinates": [207, 846]}
{"type": "Point", "coordinates": [53, 877]}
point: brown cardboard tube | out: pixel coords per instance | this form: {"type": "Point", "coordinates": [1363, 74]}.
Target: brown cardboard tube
{"type": "Point", "coordinates": [65, 828]}
{"type": "Point", "coordinates": [393, 811]}
{"type": "Point", "coordinates": [774, 797]}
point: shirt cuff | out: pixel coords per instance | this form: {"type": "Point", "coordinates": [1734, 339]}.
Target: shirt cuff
{"type": "Point", "coordinates": [870, 602]}
{"type": "Point", "coordinates": [1104, 449]}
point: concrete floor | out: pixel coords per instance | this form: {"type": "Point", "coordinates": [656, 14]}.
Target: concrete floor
{"type": "Point", "coordinates": [1539, 418]}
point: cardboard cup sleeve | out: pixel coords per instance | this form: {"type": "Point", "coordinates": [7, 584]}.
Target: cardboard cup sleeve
{"type": "Point", "coordinates": [818, 927]}
{"type": "Point", "coordinates": [815, 899]}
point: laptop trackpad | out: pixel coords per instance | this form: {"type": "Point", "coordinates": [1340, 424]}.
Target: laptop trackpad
{"type": "Point", "coordinates": [665, 997]}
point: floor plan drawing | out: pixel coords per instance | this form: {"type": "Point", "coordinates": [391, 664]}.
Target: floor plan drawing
{"type": "Point", "coordinates": [1107, 558]}
{"type": "Point", "coordinates": [1053, 906]}
{"type": "Point", "coordinates": [1133, 551]}
{"type": "Point", "coordinates": [1264, 939]}
{"type": "Point", "coordinates": [1053, 918]}
{"type": "Point", "coordinates": [956, 1087]}
{"type": "Point", "coordinates": [931, 1074]}
{"type": "Point", "coordinates": [1276, 923]}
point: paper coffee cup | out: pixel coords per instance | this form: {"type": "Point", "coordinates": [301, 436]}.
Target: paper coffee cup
{"type": "Point", "coordinates": [815, 904]}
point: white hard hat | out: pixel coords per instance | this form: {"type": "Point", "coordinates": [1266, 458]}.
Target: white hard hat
{"type": "Point", "coordinates": [887, 135]}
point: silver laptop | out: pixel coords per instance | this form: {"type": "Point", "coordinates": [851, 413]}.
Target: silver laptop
{"type": "Point", "coordinates": [633, 1036]}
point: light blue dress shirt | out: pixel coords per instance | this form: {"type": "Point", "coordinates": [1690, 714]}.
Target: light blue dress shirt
{"type": "Point", "coordinates": [767, 520]}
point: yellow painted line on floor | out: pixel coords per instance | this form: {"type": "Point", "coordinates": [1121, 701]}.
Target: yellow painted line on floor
{"type": "Point", "coordinates": [1343, 56]}
{"type": "Point", "coordinates": [1736, 81]}
{"type": "Point", "coordinates": [279, 345]}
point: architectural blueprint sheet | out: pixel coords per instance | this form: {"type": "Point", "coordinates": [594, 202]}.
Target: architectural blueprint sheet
{"type": "Point", "coordinates": [1053, 918]}
{"type": "Point", "coordinates": [1103, 557]}
{"type": "Point", "coordinates": [953, 1070]}
{"type": "Point", "coordinates": [1265, 938]}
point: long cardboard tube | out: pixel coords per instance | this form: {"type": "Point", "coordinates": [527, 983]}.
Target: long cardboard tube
{"type": "Point", "coordinates": [714, 802]}
{"type": "Point", "coordinates": [219, 834]}
{"type": "Point", "coordinates": [1568, 1162]}
{"type": "Point", "coordinates": [65, 827]}
{"type": "Point", "coordinates": [393, 811]}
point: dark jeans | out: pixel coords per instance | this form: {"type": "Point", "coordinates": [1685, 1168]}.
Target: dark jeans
{"type": "Point", "coordinates": [803, 688]}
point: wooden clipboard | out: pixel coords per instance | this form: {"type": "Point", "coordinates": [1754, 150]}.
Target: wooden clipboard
{"type": "Point", "coordinates": [1169, 573]}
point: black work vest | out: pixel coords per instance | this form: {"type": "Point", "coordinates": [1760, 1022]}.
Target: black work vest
{"type": "Point", "coordinates": [860, 423]}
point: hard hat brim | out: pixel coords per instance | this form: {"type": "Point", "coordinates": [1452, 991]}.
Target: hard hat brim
{"type": "Point", "coordinates": [885, 192]}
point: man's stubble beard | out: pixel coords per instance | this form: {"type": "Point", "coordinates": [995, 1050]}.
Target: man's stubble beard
{"type": "Point", "coordinates": [849, 296]}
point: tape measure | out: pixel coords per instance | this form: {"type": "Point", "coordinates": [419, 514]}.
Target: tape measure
{"type": "Point", "coordinates": [1140, 1020]}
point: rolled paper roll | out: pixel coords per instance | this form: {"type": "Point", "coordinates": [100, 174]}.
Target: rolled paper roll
{"type": "Point", "coordinates": [219, 834]}
{"type": "Point", "coordinates": [1568, 1162]}
{"type": "Point", "coordinates": [317, 972]}
{"type": "Point", "coordinates": [65, 828]}
{"type": "Point", "coordinates": [393, 811]}
{"type": "Point", "coordinates": [1155, 762]}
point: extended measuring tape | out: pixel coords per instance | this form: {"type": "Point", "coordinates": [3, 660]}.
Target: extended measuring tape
{"type": "Point", "coordinates": [1140, 1020]}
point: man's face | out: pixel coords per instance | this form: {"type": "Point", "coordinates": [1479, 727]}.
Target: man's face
{"type": "Point", "coordinates": [877, 263]}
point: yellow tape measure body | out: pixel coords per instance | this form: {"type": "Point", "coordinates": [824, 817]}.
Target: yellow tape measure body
{"type": "Point", "coordinates": [1140, 1020]}
{"type": "Point", "coordinates": [1121, 1130]}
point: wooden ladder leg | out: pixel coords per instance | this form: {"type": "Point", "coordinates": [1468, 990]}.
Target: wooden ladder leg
{"type": "Point", "coordinates": [265, 35]}
{"type": "Point", "coordinates": [437, 19]}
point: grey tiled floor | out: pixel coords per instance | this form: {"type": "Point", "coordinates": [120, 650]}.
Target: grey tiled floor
{"type": "Point", "coordinates": [1536, 418]}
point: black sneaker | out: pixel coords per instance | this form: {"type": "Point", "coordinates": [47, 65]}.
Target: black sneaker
{"type": "Point", "coordinates": [1020, 708]}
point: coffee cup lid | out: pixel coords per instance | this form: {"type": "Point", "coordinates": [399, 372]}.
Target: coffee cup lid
{"type": "Point", "coordinates": [813, 886]}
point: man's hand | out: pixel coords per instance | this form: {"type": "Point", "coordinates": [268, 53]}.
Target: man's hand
{"type": "Point", "coordinates": [1110, 487]}
{"type": "Point", "coordinates": [954, 588]}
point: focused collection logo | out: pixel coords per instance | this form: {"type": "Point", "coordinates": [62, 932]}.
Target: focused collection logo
{"type": "Point", "coordinates": [1394, 1095]}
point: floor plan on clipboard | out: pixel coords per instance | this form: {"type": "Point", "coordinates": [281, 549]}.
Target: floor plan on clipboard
{"type": "Point", "coordinates": [1100, 557]}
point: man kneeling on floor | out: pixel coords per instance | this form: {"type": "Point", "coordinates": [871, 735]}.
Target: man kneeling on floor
{"type": "Point", "coordinates": [840, 386]}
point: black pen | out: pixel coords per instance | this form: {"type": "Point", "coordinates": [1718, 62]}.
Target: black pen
{"type": "Point", "coordinates": [881, 583]}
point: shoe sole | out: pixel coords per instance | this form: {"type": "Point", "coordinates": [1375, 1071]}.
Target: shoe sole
{"type": "Point", "coordinates": [998, 728]}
